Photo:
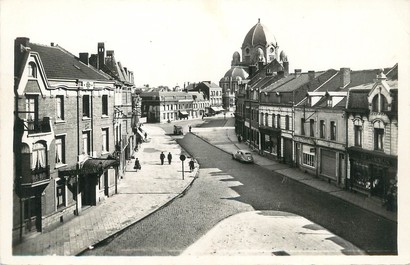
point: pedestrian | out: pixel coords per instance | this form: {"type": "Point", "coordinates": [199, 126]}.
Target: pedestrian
{"type": "Point", "coordinates": [239, 138]}
{"type": "Point", "coordinates": [145, 134]}
{"type": "Point", "coordinates": [137, 164]}
{"type": "Point", "coordinates": [169, 158]}
{"type": "Point", "coordinates": [162, 157]}
{"type": "Point", "coordinates": [190, 128]}
{"type": "Point", "coordinates": [191, 164]}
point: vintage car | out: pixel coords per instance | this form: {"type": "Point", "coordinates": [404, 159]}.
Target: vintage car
{"type": "Point", "coordinates": [178, 130]}
{"type": "Point", "coordinates": [243, 156]}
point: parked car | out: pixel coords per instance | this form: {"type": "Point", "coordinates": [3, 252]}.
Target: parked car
{"type": "Point", "coordinates": [243, 156]}
{"type": "Point", "coordinates": [178, 130]}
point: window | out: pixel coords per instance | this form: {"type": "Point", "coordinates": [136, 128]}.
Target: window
{"type": "Point", "coordinates": [60, 150]}
{"type": "Point", "coordinates": [358, 135]}
{"type": "Point", "coordinates": [308, 156]}
{"type": "Point", "coordinates": [86, 106]}
{"type": "Point", "coordinates": [32, 69]}
{"type": "Point", "coordinates": [322, 129]}
{"type": "Point", "coordinates": [302, 126]}
{"type": "Point", "coordinates": [378, 138]}
{"type": "Point", "coordinates": [287, 122]}
{"type": "Point", "coordinates": [105, 105]}
{"type": "Point", "coordinates": [278, 119]}
{"type": "Point", "coordinates": [39, 159]}
{"type": "Point", "coordinates": [60, 107]}
{"type": "Point", "coordinates": [60, 193]}
{"type": "Point", "coordinates": [86, 143]}
{"type": "Point", "coordinates": [266, 119]}
{"type": "Point", "coordinates": [105, 140]}
{"type": "Point", "coordinates": [312, 127]}
{"type": "Point", "coordinates": [333, 130]}
{"type": "Point", "coordinates": [31, 108]}
{"type": "Point", "coordinates": [273, 121]}
{"type": "Point", "coordinates": [379, 103]}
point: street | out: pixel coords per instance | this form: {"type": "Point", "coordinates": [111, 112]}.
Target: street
{"type": "Point", "coordinates": [226, 187]}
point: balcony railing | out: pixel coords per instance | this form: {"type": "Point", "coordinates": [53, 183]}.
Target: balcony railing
{"type": "Point", "coordinates": [38, 176]}
{"type": "Point", "coordinates": [37, 126]}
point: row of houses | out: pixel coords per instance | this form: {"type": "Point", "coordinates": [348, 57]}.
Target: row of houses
{"type": "Point", "coordinates": [339, 125]}
{"type": "Point", "coordinates": [76, 124]}
{"type": "Point", "coordinates": [195, 101]}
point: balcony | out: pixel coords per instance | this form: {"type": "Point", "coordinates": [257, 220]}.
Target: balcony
{"type": "Point", "coordinates": [38, 176]}
{"type": "Point", "coordinates": [37, 126]}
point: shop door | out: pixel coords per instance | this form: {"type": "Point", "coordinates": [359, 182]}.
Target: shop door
{"type": "Point", "coordinates": [328, 163]}
{"type": "Point", "coordinates": [106, 184]}
{"type": "Point", "coordinates": [342, 168]}
{"type": "Point", "coordinates": [32, 214]}
{"type": "Point", "coordinates": [377, 182]}
{"type": "Point", "coordinates": [287, 150]}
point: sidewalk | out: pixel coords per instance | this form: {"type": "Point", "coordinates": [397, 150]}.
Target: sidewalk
{"type": "Point", "coordinates": [139, 194]}
{"type": "Point", "coordinates": [225, 139]}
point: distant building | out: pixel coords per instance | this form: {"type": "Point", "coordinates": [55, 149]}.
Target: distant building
{"type": "Point", "coordinates": [212, 92]}
{"type": "Point", "coordinates": [161, 106]}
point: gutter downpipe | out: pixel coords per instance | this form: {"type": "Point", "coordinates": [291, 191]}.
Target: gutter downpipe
{"type": "Point", "coordinates": [78, 150]}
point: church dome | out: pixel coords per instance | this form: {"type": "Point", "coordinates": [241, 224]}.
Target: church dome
{"type": "Point", "coordinates": [259, 35]}
{"type": "Point", "coordinates": [236, 72]}
{"type": "Point", "coordinates": [283, 57]}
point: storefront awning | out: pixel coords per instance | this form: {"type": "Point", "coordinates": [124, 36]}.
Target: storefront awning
{"type": "Point", "coordinates": [217, 109]}
{"type": "Point", "coordinates": [184, 113]}
{"type": "Point", "coordinates": [90, 166]}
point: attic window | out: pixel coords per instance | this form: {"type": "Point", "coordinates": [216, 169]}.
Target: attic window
{"type": "Point", "coordinates": [329, 102]}
{"type": "Point", "coordinates": [32, 69]}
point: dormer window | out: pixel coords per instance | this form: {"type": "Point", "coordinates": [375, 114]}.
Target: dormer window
{"type": "Point", "coordinates": [329, 102]}
{"type": "Point", "coordinates": [32, 70]}
{"type": "Point", "coordinates": [379, 103]}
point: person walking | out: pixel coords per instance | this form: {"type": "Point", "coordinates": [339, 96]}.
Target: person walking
{"type": "Point", "coordinates": [169, 158]}
{"type": "Point", "coordinates": [190, 128]}
{"type": "Point", "coordinates": [145, 134]}
{"type": "Point", "coordinates": [162, 157]}
{"type": "Point", "coordinates": [137, 164]}
{"type": "Point", "coordinates": [191, 164]}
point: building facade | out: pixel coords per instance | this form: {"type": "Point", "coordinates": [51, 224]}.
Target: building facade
{"type": "Point", "coordinates": [65, 155]}
{"type": "Point", "coordinates": [167, 106]}
{"type": "Point", "coordinates": [372, 127]}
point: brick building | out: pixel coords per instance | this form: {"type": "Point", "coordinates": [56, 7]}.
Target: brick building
{"type": "Point", "coordinates": [64, 137]}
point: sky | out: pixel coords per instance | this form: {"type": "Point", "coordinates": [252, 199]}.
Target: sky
{"type": "Point", "coordinates": [172, 42]}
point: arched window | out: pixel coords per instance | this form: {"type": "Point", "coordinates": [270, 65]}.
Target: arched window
{"type": "Point", "coordinates": [379, 103]}
{"type": "Point", "coordinates": [32, 69]}
{"type": "Point", "coordinates": [266, 119]}
{"type": "Point", "coordinates": [39, 159]}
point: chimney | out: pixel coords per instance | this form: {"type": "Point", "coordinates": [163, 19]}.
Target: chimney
{"type": "Point", "coordinates": [298, 72]}
{"type": "Point", "coordinates": [84, 57]}
{"type": "Point", "coordinates": [52, 44]}
{"type": "Point", "coordinates": [311, 75]}
{"type": "Point", "coordinates": [110, 53]}
{"type": "Point", "coordinates": [94, 60]}
{"type": "Point", "coordinates": [345, 77]}
{"type": "Point", "coordinates": [101, 55]}
{"type": "Point", "coordinates": [281, 74]}
{"type": "Point", "coordinates": [286, 67]}
{"type": "Point", "coordinates": [260, 65]}
{"type": "Point", "coordinates": [19, 45]}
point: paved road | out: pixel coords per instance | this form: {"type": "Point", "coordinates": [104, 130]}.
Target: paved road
{"type": "Point", "coordinates": [226, 187]}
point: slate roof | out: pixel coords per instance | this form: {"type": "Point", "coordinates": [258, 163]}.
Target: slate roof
{"type": "Point", "coordinates": [60, 64]}
{"type": "Point", "coordinates": [258, 34]}
{"type": "Point", "coordinates": [236, 71]}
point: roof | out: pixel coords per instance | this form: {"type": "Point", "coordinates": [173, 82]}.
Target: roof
{"type": "Point", "coordinates": [60, 64]}
{"type": "Point", "coordinates": [236, 71]}
{"type": "Point", "coordinates": [259, 35]}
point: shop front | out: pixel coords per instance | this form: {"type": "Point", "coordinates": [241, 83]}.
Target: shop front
{"type": "Point", "coordinates": [270, 141]}
{"type": "Point", "coordinates": [371, 172]}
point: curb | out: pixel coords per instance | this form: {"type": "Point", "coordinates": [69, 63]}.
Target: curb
{"type": "Point", "coordinates": [342, 199]}
{"type": "Point", "coordinates": [119, 232]}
